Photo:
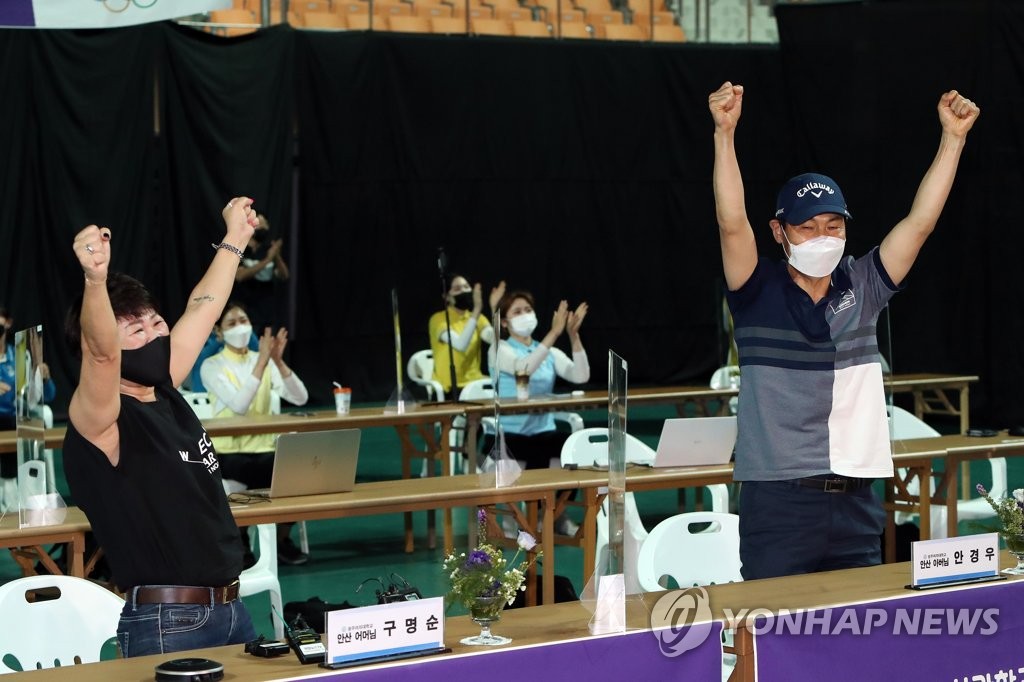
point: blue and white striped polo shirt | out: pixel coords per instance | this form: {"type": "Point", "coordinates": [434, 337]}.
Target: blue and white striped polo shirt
{"type": "Point", "coordinates": [811, 398]}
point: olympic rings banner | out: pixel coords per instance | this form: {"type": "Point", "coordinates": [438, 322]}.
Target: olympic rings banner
{"type": "Point", "coordinates": [98, 13]}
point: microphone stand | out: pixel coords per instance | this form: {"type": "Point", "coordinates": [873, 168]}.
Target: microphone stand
{"type": "Point", "coordinates": [442, 263]}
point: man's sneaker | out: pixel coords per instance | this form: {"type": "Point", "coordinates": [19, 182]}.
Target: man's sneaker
{"type": "Point", "coordinates": [290, 555]}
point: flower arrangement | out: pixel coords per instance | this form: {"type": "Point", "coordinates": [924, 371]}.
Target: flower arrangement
{"type": "Point", "coordinates": [482, 575]}
{"type": "Point", "coordinates": [1010, 511]}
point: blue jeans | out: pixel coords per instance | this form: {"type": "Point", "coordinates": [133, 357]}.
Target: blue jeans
{"type": "Point", "coordinates": [786, 529]}
{"type": "Point", "coordinates": [166, 628]}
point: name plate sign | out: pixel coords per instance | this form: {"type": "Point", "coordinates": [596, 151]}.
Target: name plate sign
{"type": "Point", "coordinates": [948, 560]}
{"type": "Point", "coordinates": [384, 631]}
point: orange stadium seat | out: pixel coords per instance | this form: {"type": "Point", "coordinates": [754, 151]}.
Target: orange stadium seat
{"type": "Point", "coordinates": [362, 22]}
{"type": "Point", "coordinates": [669, 33]}
{"type": "Point", "coordinates": [325, 21]}
{"type": "Point", "coordinates": [448, 25]}
{"type": "Point", "coordinates": [575, 29]}
{"type": "Point", "coordinates": [490, 27]}
{"type": "Point", "coordinates": [623, 32]}
{"type": "Point", "coordinates": [532, 29]}
{"type": "Point", "coordinates": [430, 10]}
{"type": "Point", "coordinates": [475, 12]}
{"type": "Point", "coordinates": [400, 24]}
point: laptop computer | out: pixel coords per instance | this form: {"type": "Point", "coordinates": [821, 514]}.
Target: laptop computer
{"type": "Point", "coordinates": [313, 463]}
{"type": "Point", "coordinates": [692, 441]}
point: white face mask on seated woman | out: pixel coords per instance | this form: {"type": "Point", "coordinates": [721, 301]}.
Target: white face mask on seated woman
{"type": "Point", "coordinates": [524, 324]}
{"type": "Point", "coordinates": [238, 336]}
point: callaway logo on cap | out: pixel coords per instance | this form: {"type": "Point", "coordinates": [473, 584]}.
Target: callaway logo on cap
{"type": "Point", "coordinates": [808, 195]}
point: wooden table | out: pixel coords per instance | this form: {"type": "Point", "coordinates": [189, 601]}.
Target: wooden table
{"type": "Point", "coordinates": [536, 487]}
{"type": "Point", "coordinates": [929, 391]}
{"type": "Point", "coordinates": [70, 533]}
{"type": "Point", "coordinates": [421, 418]}
{"type": "Point", "coordinates": [917, 456]}
{"type": "Point", "coordinates": [554, 624]}
{"type": "Point", "coordinates": [930, 394]}
{"type": "Point", "coordinates": [54, 438]}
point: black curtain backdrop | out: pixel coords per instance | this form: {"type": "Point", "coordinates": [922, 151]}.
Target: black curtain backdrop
{"type": "Point", "coordinates": [78, 149]}
{"type": "Point", "coordinates": [226, 131]}
{"type": "Point", "coordinates": [574, 170]}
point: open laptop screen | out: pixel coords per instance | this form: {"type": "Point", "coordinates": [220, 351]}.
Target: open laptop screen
{"type": "Point", "coordinates": [692, 441]}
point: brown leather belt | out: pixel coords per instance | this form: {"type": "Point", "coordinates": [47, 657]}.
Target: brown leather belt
{"type": "Point", "coordinates": [176, 594]}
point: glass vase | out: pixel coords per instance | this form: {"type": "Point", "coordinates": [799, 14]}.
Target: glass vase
{"type": "Point", "coordinates": [1015, 546]}
{"type": "Point", "coordinates": [484, 611]}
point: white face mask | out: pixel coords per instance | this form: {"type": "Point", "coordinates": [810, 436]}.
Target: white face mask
{"type": "Point", "coordinates": [523, 325]}
{"type": "Point", "coordinates": [238, 336]}
{"type": "Point", "coordinates": [816, 257]}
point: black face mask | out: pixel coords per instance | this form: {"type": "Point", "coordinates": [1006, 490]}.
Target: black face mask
{"type": "Point", "coordinates": [149, 365]}
{"type": "Point", "coordinates": [463, 300]}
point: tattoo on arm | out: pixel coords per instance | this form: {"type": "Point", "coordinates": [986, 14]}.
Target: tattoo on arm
{"type": "Point", "coordinates": [200, 299]}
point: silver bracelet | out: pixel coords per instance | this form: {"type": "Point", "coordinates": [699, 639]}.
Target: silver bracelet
{"type": "Point", "coordinates": [233, 249]}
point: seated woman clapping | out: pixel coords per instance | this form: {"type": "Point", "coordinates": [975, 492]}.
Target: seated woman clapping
{"type": "Point", "coordinates": [251, 383]}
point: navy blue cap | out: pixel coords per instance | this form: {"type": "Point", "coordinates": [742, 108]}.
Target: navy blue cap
{"type": "Point", "coordinates": [808, 195]}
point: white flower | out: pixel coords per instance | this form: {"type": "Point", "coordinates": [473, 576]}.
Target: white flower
{"type": "Point", "coordinates": [1018, 495]}
{"type": "Point", "coordinates": [527, 542]}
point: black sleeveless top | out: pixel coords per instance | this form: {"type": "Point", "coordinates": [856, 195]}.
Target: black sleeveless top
{"type": "Point", "coordinates": [161, 515]}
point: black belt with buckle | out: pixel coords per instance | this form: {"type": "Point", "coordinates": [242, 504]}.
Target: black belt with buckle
{"type": "Point", "coordinates": [835, 484]}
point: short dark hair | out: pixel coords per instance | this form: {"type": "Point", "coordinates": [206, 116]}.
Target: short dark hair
{"type": "Point", "coordinates": [128, 298]}
{"type": "Point", "coordinates": [231, 306]}
{"type": "Point", "coordinates": [452, 276]}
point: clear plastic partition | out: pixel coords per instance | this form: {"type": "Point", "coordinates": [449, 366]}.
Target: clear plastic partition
{"type": "Point", "coordinates": [617, 377]}
{"type": "Point", "coordinates": [499, 467]}
{"type": "Point", "coordinates": [39, 503]}
{"type": "Point", "coordinates": [401, 401]}
{"type": "Point", "coordinates": [608, 595]}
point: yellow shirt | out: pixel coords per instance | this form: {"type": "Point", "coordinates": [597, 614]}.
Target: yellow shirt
{"type": "Point", "coordinates": [467, 363]}
{"type": "Point", "coordinates": [236, 369]}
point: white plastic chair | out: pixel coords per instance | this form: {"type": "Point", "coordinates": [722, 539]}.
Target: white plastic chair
{"type": "Point", "coordinates": [262, 576]}
{"type": "Point", "coordinates": [589, 447]}
{"type": "Point", "coordinates": [200, 403]}
{"type": "Point", "coordinates": [690, 557]}
{"type": "Point", "coordinates": [592, 446]}
{"type": "Point", "coordinates": [710, 556]}
{"type": "Point", "coordinates": [420, 370]}
{"type": "Point", "coordinates": [727, 376]}
{"type": "Point", "coordinates": [58, 632]}
{"type": "Point", "coordinates": [904, 424]}
{"type": "Point", "coordinates": [483, 389]}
